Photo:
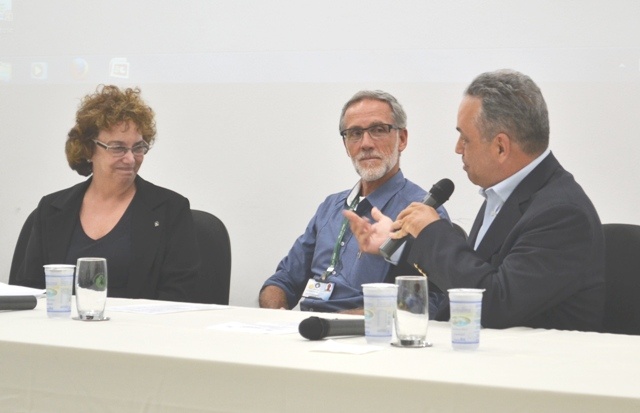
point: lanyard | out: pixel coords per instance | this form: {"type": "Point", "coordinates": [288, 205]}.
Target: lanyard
{"type": "Point", "coordinates": [336, 248]}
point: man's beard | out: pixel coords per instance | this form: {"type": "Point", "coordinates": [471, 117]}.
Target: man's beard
{"type": "Point", "coordinates": [374, 173]}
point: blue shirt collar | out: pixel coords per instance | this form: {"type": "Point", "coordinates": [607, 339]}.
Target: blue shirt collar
{"type": "Point", "coordinates": [380, 196]}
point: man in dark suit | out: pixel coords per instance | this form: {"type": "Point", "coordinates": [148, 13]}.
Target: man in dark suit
{"type": "Point", "coordinates": [536, 246]}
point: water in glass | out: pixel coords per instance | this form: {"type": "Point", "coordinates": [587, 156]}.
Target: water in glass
{"type": "Point", "coordinates": [91, 288]}
{"type": "Point", "coordinates": [412, 311]}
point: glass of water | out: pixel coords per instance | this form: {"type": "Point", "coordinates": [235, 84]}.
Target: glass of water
{"type": "Point", "coordinates": [91, 288]}
{"type": "Point", "coordinates": [412, 311]}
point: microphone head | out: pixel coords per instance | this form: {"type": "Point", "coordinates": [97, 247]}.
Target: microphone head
{"type": "Point", "coordinates": [313, 328]}
{"type": "Point", "coordinates": [442, 190]}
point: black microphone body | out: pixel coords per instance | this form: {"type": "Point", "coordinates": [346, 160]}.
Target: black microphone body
{"type": "Point", "coordinates": [18, 302]}
{"type": "Point", "coordinates": [316, 328]}
{"type": "Point", "coordinates": [438, 195]}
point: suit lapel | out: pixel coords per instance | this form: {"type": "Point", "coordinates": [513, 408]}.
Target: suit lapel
{"type": "Point", "coordinates": [473, 234]}
{"type": "Point", "coordinates": [515, 207]}
{"type": "Point", "coordinates": [503, 224]}
{"type": "Point", "coordinates": [63, 221]}
{"type": "Point", "coordinates": [147, 227]}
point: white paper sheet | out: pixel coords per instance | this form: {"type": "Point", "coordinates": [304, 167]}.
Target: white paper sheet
{"type": "Point", "coordinates": [6, 289]}
{"type": "Point", "coordinates": [256, 328]}
{"type": "Point", "coordinates": [332, 346]}
{"type": "Point", "coordinates": [165, 308]}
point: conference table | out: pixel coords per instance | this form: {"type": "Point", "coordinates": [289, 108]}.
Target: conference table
{"type": "Point", "coordinates": [173, 357]}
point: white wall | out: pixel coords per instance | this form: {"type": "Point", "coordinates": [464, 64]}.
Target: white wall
{"type": "Point", "coordinates": [248, 94]}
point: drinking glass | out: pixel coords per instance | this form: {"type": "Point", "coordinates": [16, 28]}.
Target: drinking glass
{"type": "Point", "coordinates": [379, 306]}
{"type": "Point", "coordinates": [59, 282]}
{"type": "Point", "coordinates": [91, 288]}
{"type": "Point", "coordinates": [412, 311]}
{"type": "Point", "coordinates": [466, 314]}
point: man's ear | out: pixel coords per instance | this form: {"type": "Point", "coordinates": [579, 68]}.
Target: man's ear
{"type": "Point", "coordinates": [403, 135]}
{"type": "Point", "coordinates": [503, 144]}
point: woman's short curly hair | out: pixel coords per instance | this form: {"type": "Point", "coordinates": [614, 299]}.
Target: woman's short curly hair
{"type": "Point", "coordinates": [107, 107]}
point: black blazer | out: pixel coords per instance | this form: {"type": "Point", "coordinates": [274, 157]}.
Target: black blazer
{"type": "Point", "coordinates": [165, 253]}
{"type": "Point", "coordinates": [541, 261]}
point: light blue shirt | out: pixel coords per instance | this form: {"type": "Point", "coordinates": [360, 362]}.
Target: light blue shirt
{"type": "Point", "coordinates": [311, 254]}
{"type": "Point", "coordinates": [498, 194]}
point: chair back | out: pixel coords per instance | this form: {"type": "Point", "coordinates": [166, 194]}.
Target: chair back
{"type": "Point", "coordinates": [214, 277]}
{"type": "Point", "coordinates": [21, 247]}
{"type": "Point", "coordinates": [622, 275]}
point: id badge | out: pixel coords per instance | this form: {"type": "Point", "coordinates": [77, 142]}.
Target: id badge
{"type": "Point", "coordinates": [318, 289]}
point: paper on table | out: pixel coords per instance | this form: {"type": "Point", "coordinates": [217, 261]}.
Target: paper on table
{"type": "Point", "coordinates": [13, 290]}
{"type": "Point", "coordinates": [165, 308]}
{"type": "Point", "coordinates": [259, 328]}
{"type": "Point", "coordinates": [332, 346]}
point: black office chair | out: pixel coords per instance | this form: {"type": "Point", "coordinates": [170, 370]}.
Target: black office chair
{"type": "Point", "coordinates": [622, 275]}
{"type": "Point", "coordinates": [214, 278]}
{"type": "Point", "coordinates": [21, 247]}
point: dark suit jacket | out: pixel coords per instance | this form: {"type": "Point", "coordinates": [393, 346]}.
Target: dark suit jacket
{"type": "Point", "coordinates": [541, 262]}
{"type": "Point", "coordinates": [165, 258]}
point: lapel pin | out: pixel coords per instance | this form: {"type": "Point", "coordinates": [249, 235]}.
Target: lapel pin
{"type": "Point", "coordinates": [156, 224]}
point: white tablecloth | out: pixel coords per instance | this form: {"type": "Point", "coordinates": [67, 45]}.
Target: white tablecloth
{"type": "Point", "coordinates": [178, 363]}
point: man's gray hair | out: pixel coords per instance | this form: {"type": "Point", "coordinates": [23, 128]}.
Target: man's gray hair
{"type": "Point", "coordinates": [513, 104]}
{"type": "Point", "coordinates": [399, 116]}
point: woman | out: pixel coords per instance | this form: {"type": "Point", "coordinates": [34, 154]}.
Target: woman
{"type": "Point", "coordinates": [145, 232]}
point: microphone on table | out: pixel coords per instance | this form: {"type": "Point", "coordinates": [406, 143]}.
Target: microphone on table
{"type": "Point", "coordinates": [316, 328]}
{"type": "Point", "coordinates": [438, 195]}
{"type": "Point", "coordinates": [18, 302]}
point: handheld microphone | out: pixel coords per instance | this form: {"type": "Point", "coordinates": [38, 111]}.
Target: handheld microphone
{"type": "Point", "coordinates": [438, 195]}
{"type": "Point", "coordinates": [316, 328]}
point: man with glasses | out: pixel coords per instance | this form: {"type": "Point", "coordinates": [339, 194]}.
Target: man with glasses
{"type": "Point", "coordinates": [145, 232]}
{"type": "Point", "coordinates": [324, 267]}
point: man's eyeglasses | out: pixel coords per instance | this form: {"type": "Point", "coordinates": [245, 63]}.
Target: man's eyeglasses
{"type": "Point", "coordinates": [118, 151]}
{"type": "Point", "coordinates": [377, 132]}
